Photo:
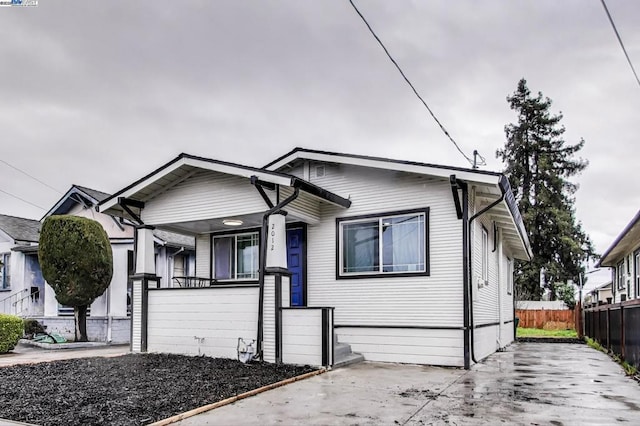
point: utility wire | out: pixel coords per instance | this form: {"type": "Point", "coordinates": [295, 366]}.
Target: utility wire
{"type": "Point", "coordinates": [31, 176]}
{"type": "Point", "coordinates": [613, 25]}
{"type": "Point", "coordinates": [410, 85]}
{"type": "Point", "coordinates": [22, 199]}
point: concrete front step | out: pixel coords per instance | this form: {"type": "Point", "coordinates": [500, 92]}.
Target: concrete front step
{"type": "Point", "coordinates": [352, 358]}
{"type": "Point", "coordinates": [343, 355]}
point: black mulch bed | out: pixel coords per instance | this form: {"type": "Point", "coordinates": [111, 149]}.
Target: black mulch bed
{"type": "Point", "coordinates": [127, 390]}
{"type": "Point", "coordinates": [550, 340]}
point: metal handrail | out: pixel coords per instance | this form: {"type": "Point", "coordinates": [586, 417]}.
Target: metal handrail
{"type": "Point", "coordinates": [188, 282]}
{"type": "Point", "coordinates": [11, 296]}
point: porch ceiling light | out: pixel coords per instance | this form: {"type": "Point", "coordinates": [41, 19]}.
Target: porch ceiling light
{"type": "Point", "coordinates": [232, 222]}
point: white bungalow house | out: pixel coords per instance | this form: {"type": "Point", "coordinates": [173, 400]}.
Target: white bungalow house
{"type": "Point", "coordinates": [398, 260]}
{"type": "Point", "coordinates": [18, 232]}
{"type": "Point", "coordinates": [109, 315]}
{"type": "Point", "coordinates": [623, 258]}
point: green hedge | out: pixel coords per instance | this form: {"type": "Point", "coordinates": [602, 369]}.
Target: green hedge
{"type": "Point", "coordinates": [10, 332]}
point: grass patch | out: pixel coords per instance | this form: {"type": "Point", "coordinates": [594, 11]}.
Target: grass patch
{"type": "Point", "coordinates": [536, 332]}
{"type": "Point", "coordinates": [628, 368]}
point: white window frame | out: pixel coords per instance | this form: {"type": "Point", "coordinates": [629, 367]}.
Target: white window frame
{"type": "Point", "coordinates": [620, 281]}
{"type": "Point", "coordinates": [485, 256]}
{"type": "Point", "coordinates": [509, 276]}
{"type": "Point", "coordinates": [255, 274]}
{"type": "Point", "coordinates": [5, 276]}
{"type": "Point", "coordinates": [341, 222]}
{"type": "Point", "coordinates": [636, 271]}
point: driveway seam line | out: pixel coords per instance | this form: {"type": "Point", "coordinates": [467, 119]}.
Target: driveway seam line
{"type": "Point", "coordinates": [436, 397]}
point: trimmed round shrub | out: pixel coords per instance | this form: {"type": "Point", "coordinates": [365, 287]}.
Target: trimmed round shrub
{"type": "Point", "coordinates": [10, 332]}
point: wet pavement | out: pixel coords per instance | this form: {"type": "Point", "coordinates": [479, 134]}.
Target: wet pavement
{"type": "Point", "coordinates": [529, 384]}
{"type": "Point", "coordinates": [26, 354]}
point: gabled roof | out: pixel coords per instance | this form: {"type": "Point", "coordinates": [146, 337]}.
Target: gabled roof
{"type": "Point", "coordinates": [20, 229]}
{"type": "Point", "coordinates": [497, 184]}
{"type": "Point", "coordinates": [76, 194]}
{"type": "Point", "coordinates": [184, 165]}
{"type": "Point", "coordinates": [382, 163]}
{"type": "Point", "coordinates": [628, 239]}
{"type": "Point", "coordinates": [175, 240]}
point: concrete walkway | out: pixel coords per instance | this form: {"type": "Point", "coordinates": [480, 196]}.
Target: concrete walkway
{"type": "Point", "coordinates": [530, 383]}
{"type": "Point", "coordinates": [25, 354]}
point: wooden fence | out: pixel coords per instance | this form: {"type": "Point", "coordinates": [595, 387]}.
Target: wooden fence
{"type": "Point", "coordinates": [547, 319]}
{"type": "Point", "coordinates": [616, 327]}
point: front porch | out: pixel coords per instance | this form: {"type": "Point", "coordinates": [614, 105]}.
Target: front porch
{"type": "Point", "coordinates": [250, 273]}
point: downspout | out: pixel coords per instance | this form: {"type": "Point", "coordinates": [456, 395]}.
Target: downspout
{"type": "Point", "coordinates": [263, 263]}
{"type": "Point", "coordinates": [470, 270]}
{"type": "Point", "coordinates": [462, 212]}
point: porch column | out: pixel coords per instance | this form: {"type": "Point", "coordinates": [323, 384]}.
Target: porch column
{"type": "Point", "coordinates": [276, 288]}
{"type": "Point", "coordinates": [144, 276]}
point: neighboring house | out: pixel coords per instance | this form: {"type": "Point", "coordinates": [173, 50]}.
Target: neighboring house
{"type": "Point", "coordinates": [19, 232]}
{"type": "Point", "coordinates": [600, 295]}
{"type": "Point", "coordinates": [623, 257]}
{"type": "Point", "coordinates": [109, 315]}
{"type": "Point", "coordinates": [401, 261]}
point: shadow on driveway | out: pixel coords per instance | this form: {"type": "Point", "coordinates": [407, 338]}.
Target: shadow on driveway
{"type": "Point", "coordinates": [530, 383]}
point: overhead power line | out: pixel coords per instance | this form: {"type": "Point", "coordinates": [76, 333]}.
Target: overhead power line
{"type": "Point", "coordinates": [22, 199]}
{"type": "Point", "coordinates": [411, 85]}
{"type": "Point", "coordinates": [613, 25]}
{"type": "Point", "coordinates": [31, 176]}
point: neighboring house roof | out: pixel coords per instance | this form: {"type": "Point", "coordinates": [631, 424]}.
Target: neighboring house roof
{"type": "Point", "coordinates": [508, 214]}
{"type": "Point", "coordinates": [76, 194]}
{"type": "Point", "coordinates": [626, 241]}
{"type": "Point", "coordinates": [19, 228]}
{"type": "Point", "coordinates": [175, 240]}
{"type": "Point", "coordinates": [185, 165]}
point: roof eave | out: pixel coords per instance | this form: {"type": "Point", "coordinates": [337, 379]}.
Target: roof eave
{"type": "Point", "coordinates": [604, 259]}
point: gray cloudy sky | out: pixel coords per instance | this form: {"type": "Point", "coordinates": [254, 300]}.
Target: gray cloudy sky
{"type": "Point", "coordinates": [100, 93]}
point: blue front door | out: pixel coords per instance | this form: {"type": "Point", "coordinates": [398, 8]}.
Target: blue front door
{"type": "Point", "coordinates": [296, 265]}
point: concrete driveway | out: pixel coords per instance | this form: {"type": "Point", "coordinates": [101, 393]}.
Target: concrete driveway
{"type": "Point", "coordinates": [530, 383]}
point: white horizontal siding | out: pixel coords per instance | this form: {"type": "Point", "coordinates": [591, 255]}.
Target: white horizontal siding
{"type": "Point", "coordinates": [205, 321]}
{"type": "Point", "coordinates": [434, 300]}
{"type": "Point", "coordinates": [269, 320]}
{"type": "Point", "coordinates": [203, 255]}
{"type": "Point", "coordinates": [416, 346]}
{"type": "Point", "coordinates": [485, 341]}
{"type": "Point", "coordinates": [204, 195]}
{"type": "Point", "coordinates": [302, 336]}
{"type": "Point", "coordinates": [136, 316]}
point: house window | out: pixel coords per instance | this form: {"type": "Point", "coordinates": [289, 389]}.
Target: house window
{"type": "Point", "coordinates": [620, 271]}
{"type": "Point", "coordinates": [235, 257]}
{"type": "Point", "coordinates": [636, 270]}
{"type": "Point", "coordinates": [393, 244]}
{"type": "Point", "coordinates": [509, 276]}
{"type": "Point", "coordinates": [485, 256]}
{"type": "Point", "coordinates": [5, 273]}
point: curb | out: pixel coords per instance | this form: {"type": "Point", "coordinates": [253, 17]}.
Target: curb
{"type": "Point", "coordinates": [233, 399]}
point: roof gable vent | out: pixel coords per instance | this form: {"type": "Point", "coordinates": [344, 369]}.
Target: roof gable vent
{"type": "Point", "coordinates": [320, 171]}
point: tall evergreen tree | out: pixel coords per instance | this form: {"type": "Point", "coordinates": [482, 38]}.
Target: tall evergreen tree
{"type": "Point", "coordinates": [539, 165]}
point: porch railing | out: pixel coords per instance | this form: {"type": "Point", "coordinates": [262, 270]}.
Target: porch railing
{"type": "Point", "coordinates": [22, 304]}
{"type": "Point", "coordinates": [187, 282]}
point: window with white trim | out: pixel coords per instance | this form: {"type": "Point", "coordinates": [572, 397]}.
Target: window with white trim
{"type": "Point", "coordinates": [509, 276]}
{"type": "Point", "coordinates": [5, 272]}
{"type": "Point", "coordinates": [485, 256]}
{"type": "Point", "coordinates": [620, 272]}
{"type": "Point", "coordinates": [235, 257]}
{"type": "Point", "coordinates": [391, 244]}
{"type": "Point", "coordinates": [636, 271]}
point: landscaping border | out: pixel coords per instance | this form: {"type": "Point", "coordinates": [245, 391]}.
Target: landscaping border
{"type": "Point", "coordinates": [212, 406]}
